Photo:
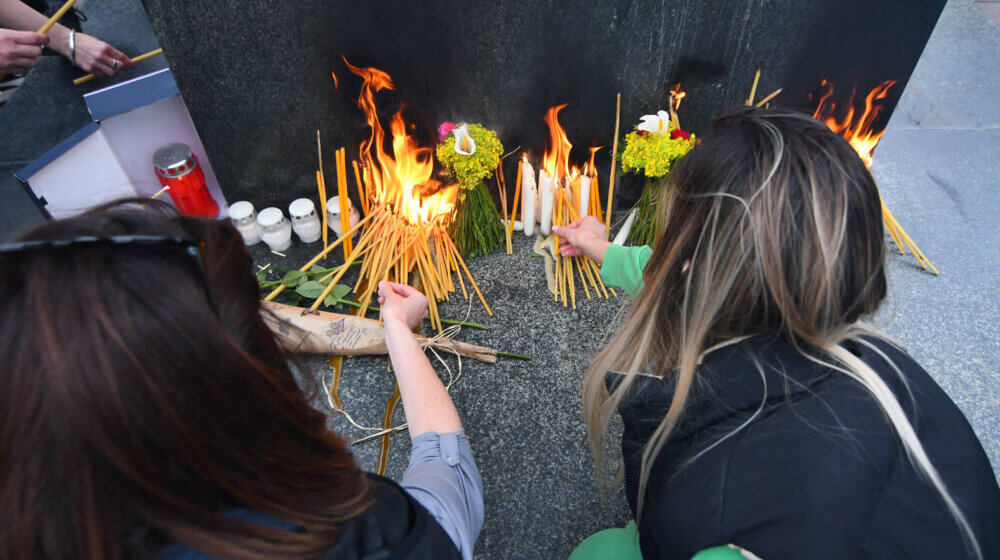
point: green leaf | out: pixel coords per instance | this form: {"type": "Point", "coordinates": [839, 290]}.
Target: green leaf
{"type": "Point", "coordinates": [293, 278]}
{"type": "Point", "coordinates": [340, 290]}
{"type": "Point", "coordinates": [317, 269]}
{"type": "Point", "coordinates": [261, 275]}
{"type": "Point", "coordinates": [293, 298]}
{"type": "Point", "coordinates": [331, 301]}
{"type": "Point", "coordinates": [311, 289]}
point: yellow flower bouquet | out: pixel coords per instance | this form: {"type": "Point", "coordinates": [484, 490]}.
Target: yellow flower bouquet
{"type": "Point", "coordinates": [469, 153]}
{"type": "Point", "coordinates": [651, 150]}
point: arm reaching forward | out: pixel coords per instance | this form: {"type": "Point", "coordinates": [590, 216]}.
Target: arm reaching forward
{"type": "Point", "coordinates": [442, 475]}
{"type": "Point", "coordinates": [428, 405]}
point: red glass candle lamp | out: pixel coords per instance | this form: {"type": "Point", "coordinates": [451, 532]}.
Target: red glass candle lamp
{"type": "Point", "coordinates": [178, 170]}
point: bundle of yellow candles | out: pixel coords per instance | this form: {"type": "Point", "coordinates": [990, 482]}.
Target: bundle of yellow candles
{"type": "Point", "coordinates": [900, 238]}
{"type": "Point", "coordinates": [566, 201]}
{"type": "Point", "coordinates": [394, 249]}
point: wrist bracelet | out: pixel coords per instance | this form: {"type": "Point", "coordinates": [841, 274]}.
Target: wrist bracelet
{"type": "Point", "coordinates": [72, 46]}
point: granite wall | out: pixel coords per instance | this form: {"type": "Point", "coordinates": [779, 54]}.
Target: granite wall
{"type": "Point", "coordinates": [257, 75]}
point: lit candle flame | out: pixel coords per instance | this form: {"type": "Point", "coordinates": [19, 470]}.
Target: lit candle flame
{"type": "Point", "coordinates": [401, 180]}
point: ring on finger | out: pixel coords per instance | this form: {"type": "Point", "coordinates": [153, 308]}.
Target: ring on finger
{"type": "Point", "coordinates": [114, 64]}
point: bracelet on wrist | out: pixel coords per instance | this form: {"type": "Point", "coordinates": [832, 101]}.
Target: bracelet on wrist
{"type": "Point", "coordinates": [72, 46]}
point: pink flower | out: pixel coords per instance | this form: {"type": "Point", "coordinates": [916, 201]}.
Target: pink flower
{"type": "Point", "coordinates": [444, 130]}
{"type": "Point", "coordinates": [678, 133]}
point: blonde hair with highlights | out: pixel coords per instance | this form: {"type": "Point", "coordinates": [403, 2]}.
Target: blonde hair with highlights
{"type": "Point", "coordinates": [781, 225]}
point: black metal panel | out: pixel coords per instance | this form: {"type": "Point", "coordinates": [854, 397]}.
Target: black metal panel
{"type": "Point", "coordinates": [256, 75]}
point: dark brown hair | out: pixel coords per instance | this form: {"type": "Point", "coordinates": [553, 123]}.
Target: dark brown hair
{"type": "Point", "coordinates": [134, 416]}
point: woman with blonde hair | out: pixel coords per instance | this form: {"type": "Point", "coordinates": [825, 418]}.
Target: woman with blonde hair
{"type": "Point", "coordinates": [759, 407]}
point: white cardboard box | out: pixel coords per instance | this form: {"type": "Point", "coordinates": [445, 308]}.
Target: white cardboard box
{"type": "Point", "coordinates": [112, 157]}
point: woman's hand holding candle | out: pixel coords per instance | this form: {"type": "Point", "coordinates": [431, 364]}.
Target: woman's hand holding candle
{"type": "Point", "coordinates": [402, 303]}
{"type": "Point", "coordinates": [19, 50]}
{"type": "Point", "coordinates": [97, 57]}
{"type": "Point", "coordinates": [586, 236]}
{"type": "Point", "coordinates": [425, 399]}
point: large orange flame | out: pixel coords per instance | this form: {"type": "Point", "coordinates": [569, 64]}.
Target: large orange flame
{"type": "Point", "coordinates": [556, 160]}
{"type": "Point", "coordinates": [859, 131]}
{"type": "Point", "coordinates": [403, 180]}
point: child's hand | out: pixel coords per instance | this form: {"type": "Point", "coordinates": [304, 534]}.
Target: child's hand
{"type": "Point", "coordinates": [401, 303]}
{"type": "Point", "coordinates": [586, 236]}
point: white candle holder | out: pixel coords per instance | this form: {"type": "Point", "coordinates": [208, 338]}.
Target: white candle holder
{"type": "Point", "coordinates": [244, 217]}
{"type": "Point", "coordinates": [333, 215]}
{"type": "Point", "coordinates": [305, 222]}
{"type": "Point", "coordinates": [275, 229]}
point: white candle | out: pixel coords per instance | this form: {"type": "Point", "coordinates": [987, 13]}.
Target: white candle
{"type": "Point", "coordinates": [333, 215]}
{"type": "Point", "coordinates": [623, 233]}
{"type": "Point", "coordinates": [245, 219]}
{"type": "Point", "coordinates": [276, 231]}
{"type": "Point", "coordinates": [584, 196]}
{"type": "Point", "coordinates": [546, 196]}
{"type": "Point", "coordinates": [538, 199]}
{"type": "Point", "coordinates": [529, 196]}
{"type": "Point", "coordinates": [305, 222]}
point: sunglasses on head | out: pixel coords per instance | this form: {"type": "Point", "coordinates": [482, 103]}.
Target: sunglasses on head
{"type": "Point", "coordinates": [193, 247]}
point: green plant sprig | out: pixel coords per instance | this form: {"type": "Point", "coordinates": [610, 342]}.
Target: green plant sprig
{"type": "Point", "coordinates": [292, 278]}
{"type": "Point", "coordinates": [647, 224]}
{"type": "Point", "coordinates": [476, 228]}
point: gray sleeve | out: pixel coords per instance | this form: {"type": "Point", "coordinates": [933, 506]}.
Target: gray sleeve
{"type": "Point", "coordinates": [443, 477]}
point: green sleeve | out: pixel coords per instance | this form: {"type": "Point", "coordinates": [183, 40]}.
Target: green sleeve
{"type": "Point", "coordinates": [721, 553]}
{"type": "Point", "coordinates": [623, 266]}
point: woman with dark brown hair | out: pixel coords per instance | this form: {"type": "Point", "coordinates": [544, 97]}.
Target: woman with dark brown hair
{"type": "Point", "coordinates": [147, 410]}
{"type": "Point", "coordinates": [760, 407]}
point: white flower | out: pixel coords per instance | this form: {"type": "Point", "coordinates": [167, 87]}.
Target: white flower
{"type": "Point", "coordinates": [464, 144]}
{"type": "Point", "coordinates": [655, 124]}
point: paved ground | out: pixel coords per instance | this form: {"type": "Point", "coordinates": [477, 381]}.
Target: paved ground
{"type": "Point", "coordinates": [991, 7]}
{"type": "Point", "coordinates": [939, 169]}
{"type": "Point", "coordinates": [938, 166]}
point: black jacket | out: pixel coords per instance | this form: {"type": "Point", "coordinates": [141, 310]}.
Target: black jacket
{"type": "Point", "coordinates": [394, 527]}
{"type": "Point", "coordinates": [817, 473]}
